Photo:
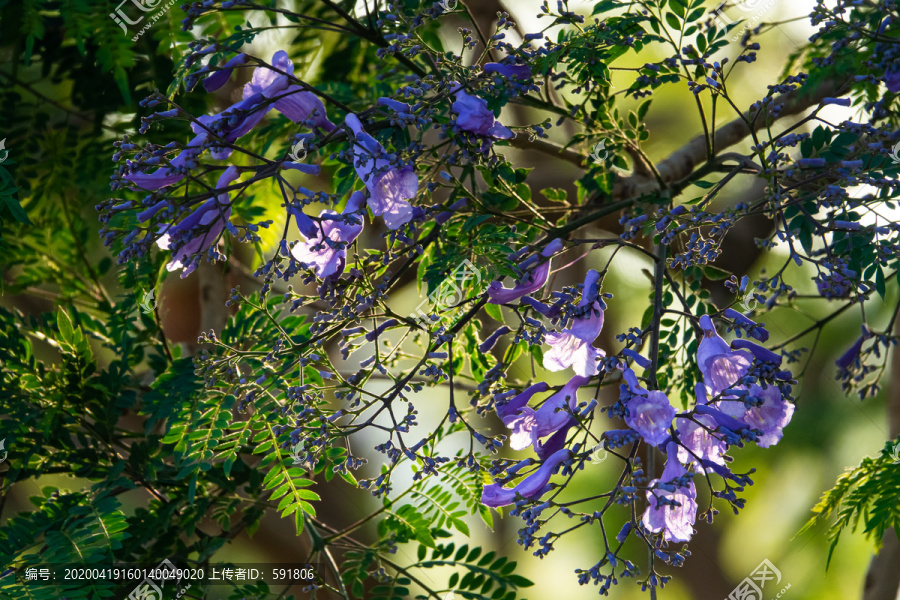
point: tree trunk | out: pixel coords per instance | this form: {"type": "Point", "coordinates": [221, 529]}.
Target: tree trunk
{"type": "Point", "coordinates": [883, 579]}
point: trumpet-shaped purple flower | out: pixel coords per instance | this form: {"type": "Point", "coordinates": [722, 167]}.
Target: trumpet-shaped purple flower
{"type": "Point", "coordinates": [327, 251]}
{"type": "Point", "coordinates": [175, 172]}
{"type": "Point", "coordinates": [291, 100]}
{"type": "Point", "coordinates": [700, 443]}
{"type": "Point", "coordinates": [698, 439]}
{"type": "Point", "coordinates": [233, 122]}
{"type": "Point", "coordinates": [651, 415]}
{"type": "Point", "coordinates": [529, 426]}
{"type": "Point", "coordinates": [389, 185]}
{"type": "Point", "coordinates": [218, 79]}
{"type": "Point", "coordinates": [721, 366]}
{"type": "Point", "coordinates": [199, 230]}
{"type": "Point", "coordinates": [531, 282]}
{"type": "Point", "coordinates": [648, 413]}
{"type": "Point", "coordinates": [892, 81]}
{"type": "Point", "coordinates": [298, 106]}
{"type": "Point", "coordinates": [265, 84]}
{"type": "Point", "coordinates": [533, 486]}
{"type": "Point", "coordinates": [574, 346]}
{"type": "Point", "coordinates": [851, 356]}
{"type": "Point", "coordinates": [722, 369]}
{"type": "Point", "coordinates": [508, 70]}
{"type": "Point", "coordinates": [676, 522]}
{"type": "Point", "coordinates": [475, 117]}
{"type": "Point", "coordinates": [770, 417]}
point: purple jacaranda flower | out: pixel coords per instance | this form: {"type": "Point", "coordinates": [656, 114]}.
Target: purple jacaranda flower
{"type": "Point", "coordinates": [302, 167]}
{"type": "Point", "coordinates": [531, 282]}
{"type": "Point", "coordinates": [167, 175]}
{"type": "Point", "coordinates": [291, 100]}
{"type": "Point", "coordinates": [759, 353]}
{"type": "Point", "coordinates": [892, 81]}
{"type": "Point", "coordinates": [506, 70]}
{"type": "Point", "coordinates": [297, 105]}
{"type": "Point", "coordinates": [700, 443]}
{"type": "Point", "coordinates": [650, 415]}
{"type": "Point", "coordinates": [218, 79]}
{"type": "Point", "coordinates": [851, 356]}
{"type": "Point", "coordinates": [265, 84]}
{"type": "Point", "coordinates": [233, 122]}
{"type": "Point", "coordinates": [833, 285]}
{"type": "Point", "coordinates": [721, 366]}
{"type": "Point", "coordinates": [209, 220]}
{"type": "Point", "coordinates": [270, 81]}
{"type": "Point", "coordinates": [475, 117]}
{"type": "Point", "coordinates": [770, 417]}
{"type": "Point", "coordinates": [676, 522]}
{"type": "Point", "coordinates": [329, 260]}
{"type": "Point", "coordinates": [697, 437]}
{"type": "Point", "coordinates": [532, 486]}
{"type": "Point", "coordinates": [389, 186]}
{"type": "Point", "coordinates": [489, 343]}
{"type": "Point", "coordinates": [573, 347]}
{"type": "Point", "coordinates": [512, 407]}
{"type": "Point", "coordinates": [529, 426]}
{"type": "Point", "coordinates": [443, 217]}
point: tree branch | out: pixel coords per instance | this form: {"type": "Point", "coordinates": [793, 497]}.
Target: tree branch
{"type": "Point", "coordinates": [681, 163]}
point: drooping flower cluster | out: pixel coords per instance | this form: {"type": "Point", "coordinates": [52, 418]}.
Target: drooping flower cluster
{"type": "Point", "coordinates": [743, 397]}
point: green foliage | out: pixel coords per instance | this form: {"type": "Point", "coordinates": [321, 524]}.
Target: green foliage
{"type": "Point", "coordinates": [864, 495]}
